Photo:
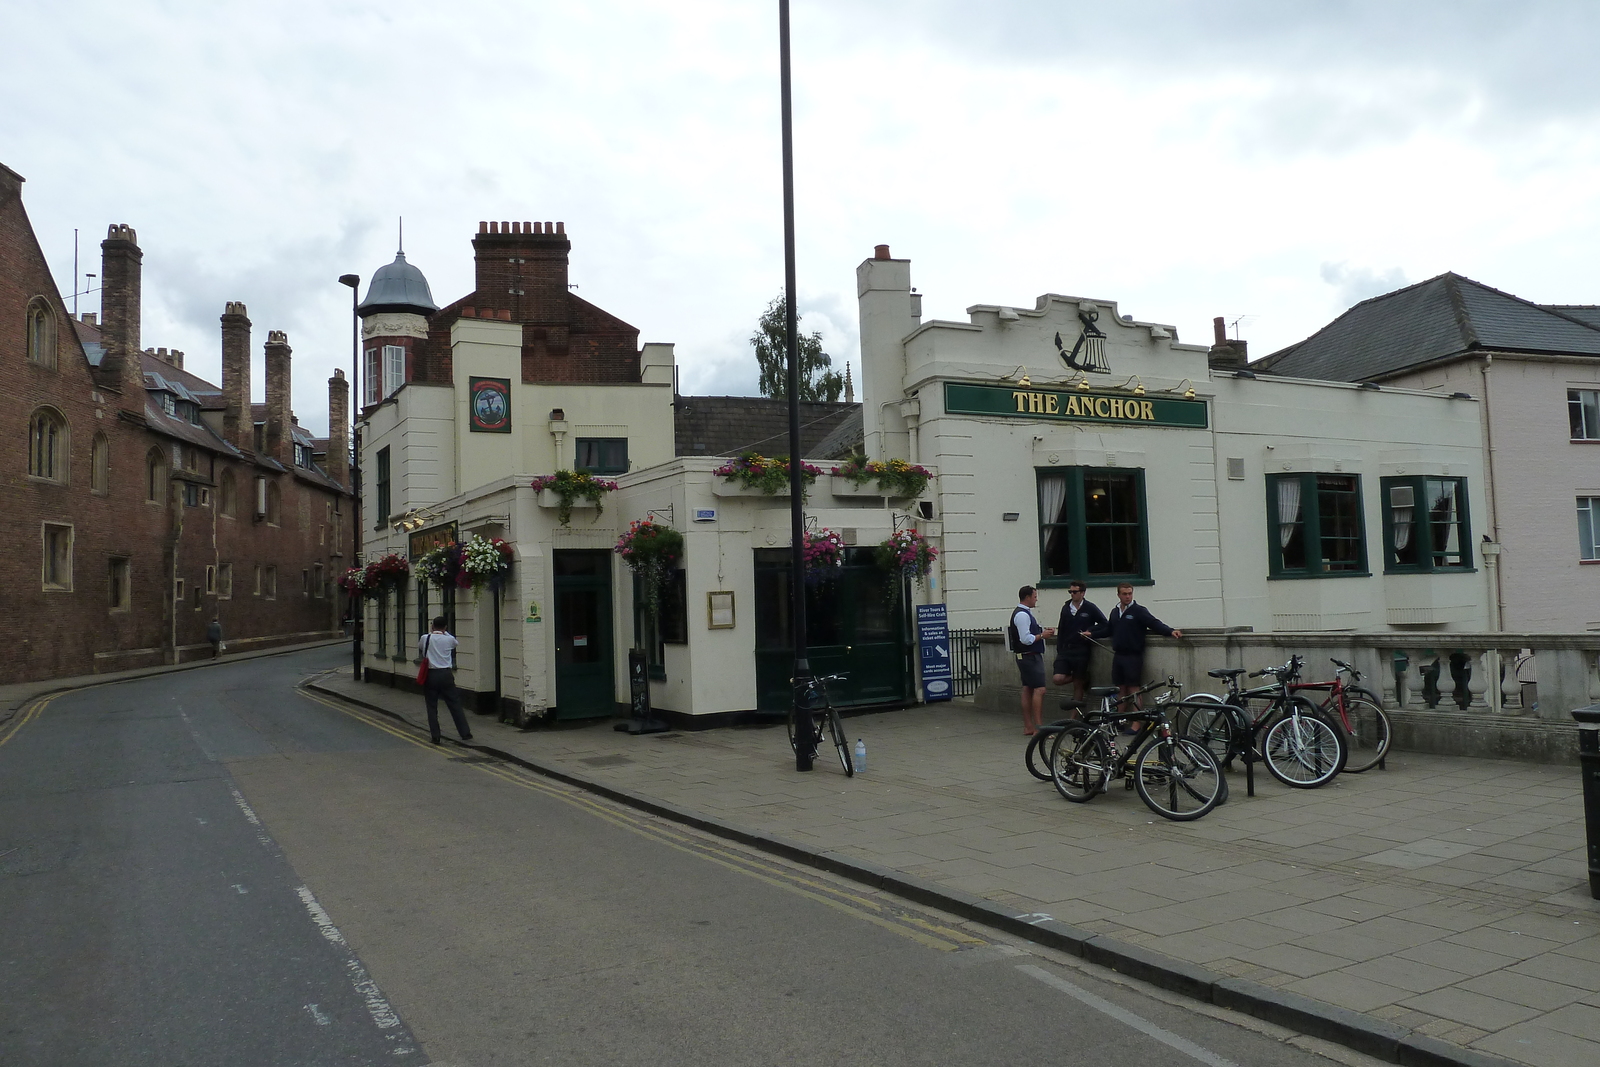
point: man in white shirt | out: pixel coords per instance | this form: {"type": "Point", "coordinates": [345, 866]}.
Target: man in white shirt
{"type": "Point", "coordinates": [438, 647]}
{"type": "Point", "coordinates": [1028, 640]}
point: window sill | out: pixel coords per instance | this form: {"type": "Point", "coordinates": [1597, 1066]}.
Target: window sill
{"type": "Point", "coordinates": [1296, 577]}
{"type": "Point", "coordinates": [39, 479]}
{"type": "Point", "coordinates": [1430, 570]}
{"type": "Point", "coordinates": [1094, 583]}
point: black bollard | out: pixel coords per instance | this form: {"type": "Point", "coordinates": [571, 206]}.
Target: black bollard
{"type": "Point", "coordinates": [1589, 764]}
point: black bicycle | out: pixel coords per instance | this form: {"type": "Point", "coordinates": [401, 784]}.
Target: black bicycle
{"type": "Point", "coordinates": [1177, 778]}
{"type": "Point", "coordinates": [814, 698]}
{"type": "Point", "coordinates": [1267, 724]}
{"type": "Point", "coordinates": [1036, 757]}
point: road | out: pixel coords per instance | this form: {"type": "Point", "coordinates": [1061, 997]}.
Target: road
{"type": "Point", "coordinates": [216, 867]}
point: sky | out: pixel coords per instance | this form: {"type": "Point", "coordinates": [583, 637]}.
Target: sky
{"type": "Point", "coordinates": [1265, 162]}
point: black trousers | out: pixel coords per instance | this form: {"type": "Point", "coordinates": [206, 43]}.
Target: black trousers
{"type": "Point", "coordinates": [441, 682]}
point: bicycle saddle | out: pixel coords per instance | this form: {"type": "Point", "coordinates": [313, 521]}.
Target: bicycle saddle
{"type": "Point", "coordinates": [1073, 705]}
{"type": "Point", "coordinates": [1100, 691]}
{"type": "Point", "coordinates": [1226, 672]}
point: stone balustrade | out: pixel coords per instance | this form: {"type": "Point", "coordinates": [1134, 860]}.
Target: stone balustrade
{"type": "Point", "coordinates": [1488, 694]}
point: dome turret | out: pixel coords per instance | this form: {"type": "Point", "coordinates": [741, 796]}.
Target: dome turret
{"type": "Point", "coordinates": [398, 286]}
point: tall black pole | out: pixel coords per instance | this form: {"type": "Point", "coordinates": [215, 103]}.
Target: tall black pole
{"type": "Point", "coordinates": [797, 581]}
{"type": "Point", "coordinates": [357, 608]}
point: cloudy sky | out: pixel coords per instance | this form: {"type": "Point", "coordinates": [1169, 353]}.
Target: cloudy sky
{"type": "Point", "coordinates": [1271, 163]}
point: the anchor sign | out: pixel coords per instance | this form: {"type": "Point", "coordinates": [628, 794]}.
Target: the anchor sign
{"type": "Point", "coordinates": [1091, 344]}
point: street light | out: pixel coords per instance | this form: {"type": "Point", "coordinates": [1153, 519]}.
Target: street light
{"type": "Point", "coordinates": [357, 617]}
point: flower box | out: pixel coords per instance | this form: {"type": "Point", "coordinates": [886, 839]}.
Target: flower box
{"type": "Point", "coordinates": [722, 487]}
{"type": "Point", "coordinates": [549, 498]}
{"type": "Point", "coordinates": [845, 487]}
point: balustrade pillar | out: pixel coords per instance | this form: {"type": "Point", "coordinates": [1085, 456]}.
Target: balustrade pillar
{"type": "Point", "coordinates": [1510, 691]}
{"type": "Point", "coordinates": [1478, 668]}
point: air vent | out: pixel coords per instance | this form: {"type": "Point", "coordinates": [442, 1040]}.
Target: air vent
{"type": "Point", "coordinates": [1235, 469]}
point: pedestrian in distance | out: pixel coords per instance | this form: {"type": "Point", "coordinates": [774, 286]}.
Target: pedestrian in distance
{"type": "Point", "coordinates": [1029, 640]}
{"type": "Point", "coordinates": [1080, 621]}
{"type": "Point", "coordinates": [1127, 626]}
{"type": "Point", "coordinates": [438, 649]}
{"type": "Point", "coordinates": [214, 635]}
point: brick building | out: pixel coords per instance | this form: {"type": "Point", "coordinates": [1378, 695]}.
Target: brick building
{"type": "Point", "coordinates": [140, 501]}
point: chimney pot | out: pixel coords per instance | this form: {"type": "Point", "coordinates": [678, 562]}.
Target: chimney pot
{"type": "Point", "coordinates": [469, 313]}
{"type": "Point", "coordinates": [527, 227]}
{"type": "Point", "coordinates": [561, 227]}
{"type": "Point", "coordinates": [505, 227]}
{"type": "Point", "coordinates": [1219, 330]}
{"type": "Point", "coordinates": [880, 251]}
{"type": "Point", "coordinates": [483, 227]}
{"type": "Point", "coordinates": [505, 313]}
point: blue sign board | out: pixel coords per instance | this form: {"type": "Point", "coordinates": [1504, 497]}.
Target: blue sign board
{"type": "Point", "coordinates": [933, 636]}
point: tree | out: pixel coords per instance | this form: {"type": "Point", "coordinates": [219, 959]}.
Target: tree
{"type": "Point", "coordinates": [817, 381]}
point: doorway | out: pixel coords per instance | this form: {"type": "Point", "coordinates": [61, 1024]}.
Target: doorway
{"type": "Point", "coordinates": [585, 683]}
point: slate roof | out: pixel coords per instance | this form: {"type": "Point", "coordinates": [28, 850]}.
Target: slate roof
{"type": "Point", "coordinates": [1445, 316]}
{"type": "Point", "coordinates": [729, 425]}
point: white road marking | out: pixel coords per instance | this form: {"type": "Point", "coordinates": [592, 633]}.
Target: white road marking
{"type": "Point", "coordinates": [1127, 1018]}
{"type": "Point", "coordinates": [319, 1015]}
{"type": "Point", "coordinates": [250, 817]}
{"type": "Point", "coordinates": [377, 1006]}
{"type": "Point", "coordinates": [1034, 918]}
{"type": "Point", "coordinates": [240, 888]}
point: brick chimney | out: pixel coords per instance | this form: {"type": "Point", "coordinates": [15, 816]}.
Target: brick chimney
{"type": "Point", "coordinates": [121, 264]}
{"type": "Point", "coordinates": [522, 268]}
{"type": "Point", "coordinates": [339, 428]}
{"type": "Point", "coordinates": [1226, 354]}
{"type": "Point", "coordinates": [280, 438]}
{"type": "Point", "coordinates": [238, 427]}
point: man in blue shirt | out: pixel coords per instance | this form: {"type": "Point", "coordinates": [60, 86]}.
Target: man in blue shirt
{"type": "Point", "coordinates": [1127, 625]}
{"type": "Point", "coordinates": [1028, 640]}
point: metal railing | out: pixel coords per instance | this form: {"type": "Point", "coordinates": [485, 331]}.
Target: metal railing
{"type": "Point", "coordinates": [967, 660]}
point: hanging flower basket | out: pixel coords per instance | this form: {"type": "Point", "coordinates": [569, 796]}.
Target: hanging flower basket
{"type": "Point", "coordinates": [385, 573]}
{"type": "Point", "coordinates": [652, 550]}
{"type": "Point", "coordinates": [354, 582]}
{"type": "Point", "coordinates": [571, 486]}
{"type": "Point", "coordinates": [771, 476]}
{"type": "Point", "coordinates": [440, 566]}
{"type": "Point", "coordinates": [485, 561]}
{"type": "Point", "coordinates": [824, 554]}
{"type": "Point", "coordinates": [894, 477]}
{"type": "Point", "coordinates": [906, 554]}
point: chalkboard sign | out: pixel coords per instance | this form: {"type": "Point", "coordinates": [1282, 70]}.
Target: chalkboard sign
{"type": "Point", "coordinates": [638, 683]}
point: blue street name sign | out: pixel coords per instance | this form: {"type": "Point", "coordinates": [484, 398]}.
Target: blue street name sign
{"type": "Point", "coordinates": [933, 635]}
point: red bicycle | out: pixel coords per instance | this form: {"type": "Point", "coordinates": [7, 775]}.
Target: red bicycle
{"type": "Point", "coordinates": [1359, 711]}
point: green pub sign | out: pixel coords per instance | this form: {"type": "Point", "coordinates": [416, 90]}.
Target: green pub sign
{"type": "Point", "coordinates": [1072, 405]}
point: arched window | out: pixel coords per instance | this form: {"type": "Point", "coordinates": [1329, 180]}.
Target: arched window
{"type": "Point", "coordinates": [229, 495]}
{"type": "Point", "coordinates": [41, 333]}
{"type": "Point", "coordinates": [47, 445]}
{"type": "Point", "coordinates": [155, 463]}
{"type": "Point", "coordinates": [273, 502]}
{"type": "Point", "coordinates": [100, 465]}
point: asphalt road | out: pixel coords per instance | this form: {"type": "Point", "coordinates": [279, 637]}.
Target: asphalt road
{"type": "Point", "coordinates": [215, 867]}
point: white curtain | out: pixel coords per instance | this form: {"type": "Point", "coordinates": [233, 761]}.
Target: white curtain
{"type": "Point", "coordinates": [1052, 492]}
{"type": "Point", "coordinates": [1402, 528]}
{"type": "Point", "coordinates": [1288, 509]}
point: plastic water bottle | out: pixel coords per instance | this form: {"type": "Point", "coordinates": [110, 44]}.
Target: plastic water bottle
{"type": "Point", "coordinates": [860, 762]}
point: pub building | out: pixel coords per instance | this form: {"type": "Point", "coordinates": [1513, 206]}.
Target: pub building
{"type": "Point", "coordinates": [1063, 441]}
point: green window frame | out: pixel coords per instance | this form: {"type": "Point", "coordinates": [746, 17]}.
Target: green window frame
{"type": "Point", "coordinates": [1426, 525]}
{"type": "Point", "coordinates": [382, 483]}
{"type": "Point", "coordinates": [1093, 525]}
{"type": "Point", "coordinates": [601, 455]}
{"type": "Point", "coordinates": [424, 624]}
{"type": "Point", "coordinates": [400, 623]}
{"type": "Point", "coordinates": [1316, 526]}
{"type": "Point", "coordinates": [1583, 414]}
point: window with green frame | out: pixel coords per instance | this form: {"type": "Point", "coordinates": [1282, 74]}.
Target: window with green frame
{"type": "Point", "coordinates": [601, 455]}
{"type": "Point", "coordinates": [1425, 524]}
{"type": "Point", "coordinates": [1315, 527]}
{"type": "Point", "coordinates": [1092, 525]}
{"type": "Point", "coordinates": [382, 483]}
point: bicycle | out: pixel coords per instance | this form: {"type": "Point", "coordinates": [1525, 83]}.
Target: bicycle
{"type": "Point", "coordinates": [1299, 747]}
{"type": "Point", "coordinates": [1036, 757]}
{"type": "Point", "coordinates": [825, 713]}
{"type": "Point", "coordinates": [1359, 711]}
{"type": "Point", "coordinates": [1177, 778]}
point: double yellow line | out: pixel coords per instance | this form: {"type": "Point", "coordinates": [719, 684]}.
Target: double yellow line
{"type": "Point", "coordinates": [918, 927]}
{"type": "Point", "coordinates": [9, 730]}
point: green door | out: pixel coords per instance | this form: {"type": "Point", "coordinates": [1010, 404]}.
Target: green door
{"type": "Point", "coordinates": [855, 626]}
{"type": "Point", "coordinates": [585, 688]}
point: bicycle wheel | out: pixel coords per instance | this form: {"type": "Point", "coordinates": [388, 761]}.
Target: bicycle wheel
{"type": "Point", "coordinates": [836, 728]}
{"type": "Point", "coordinates": [1213, 726]}
{"type": "Point", "coordinates": [1366, 730]}
{"type": "Point", "coordinates": [1301, 750]}
{"type": "Point", "coordinates": [1178, 779]}
{"type": "Point", "coordinates": [814, 731]}
{"type": "Point", "coordinates": [1037, 754]}
{"type": "Point", "coordinates": [1078, 761]}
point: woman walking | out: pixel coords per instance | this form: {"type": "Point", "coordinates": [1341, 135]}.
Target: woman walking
{"type": "Point", "coordinates": [437, 649]}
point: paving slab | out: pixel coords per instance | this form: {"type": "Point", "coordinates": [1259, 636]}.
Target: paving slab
{"type": "Point", "coordinates": [1472, 930]}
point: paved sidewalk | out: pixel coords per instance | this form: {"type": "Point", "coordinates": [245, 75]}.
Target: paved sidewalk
{"type": "Point", "coordinates": [1445, 896]}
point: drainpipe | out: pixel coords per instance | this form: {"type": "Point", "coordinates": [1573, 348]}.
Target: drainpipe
{"type": "Point", "coordinates": [1490, 550]}
{"type": "Point", "coordinates": [911, 411]}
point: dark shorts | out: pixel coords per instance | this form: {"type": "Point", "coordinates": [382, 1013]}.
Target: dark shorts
{"type": "Point", "coordinates": [1127, 668]}
{"type": "Point", "coordinates": [1073, 663]}
{"type": "Point", "coordinates": [1032, 670]}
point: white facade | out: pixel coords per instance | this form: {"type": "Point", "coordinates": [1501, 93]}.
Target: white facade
{"type": "Point", "coordinates": [1205, 488]}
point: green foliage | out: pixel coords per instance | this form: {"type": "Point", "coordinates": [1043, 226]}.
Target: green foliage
{"type": "Point", "coordinates": [817, 381]}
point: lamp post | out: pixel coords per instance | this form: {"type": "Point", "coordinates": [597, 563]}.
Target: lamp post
{"type": "Point", "coordinates": [801, 715]}
{"type": "Point", "coordinates": [357, 615]}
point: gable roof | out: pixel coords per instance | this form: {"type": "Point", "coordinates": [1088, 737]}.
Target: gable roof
{"type": "Point", "coordinates": [1445, 316]}
{"type": "Point", "coordinates": [729, 425]}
